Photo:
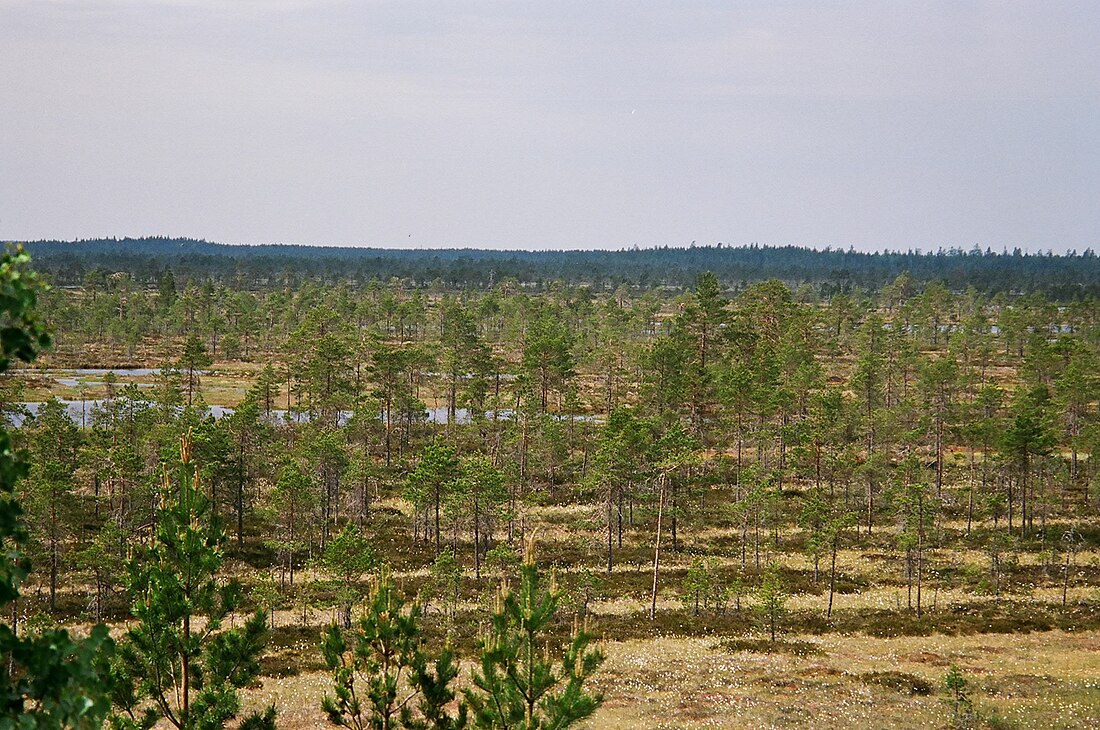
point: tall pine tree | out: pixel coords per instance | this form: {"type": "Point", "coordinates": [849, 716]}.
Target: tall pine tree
{"type": "Point", "coordinates": [177, 663]}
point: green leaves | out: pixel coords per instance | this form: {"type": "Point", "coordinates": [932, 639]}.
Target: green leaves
{"type": "Point", "coordinates": [962, 706]}
{"type": "Point", "coordinates": [47, 680]}
{"type": "Point", "coordinates": [347, 557]}
{"type": "Point", "coordinates": [435, 475]}
{"type": "Point", "coordinates": [548, 355]}
{"type": "Point", "coordinates": [22, 334]}
{"type": "Point", "coordinates": [1027, 434]}
{"type": "Point", "coordinates": [702, 586]}
{"type": "Point", "coordinates": [57, 684]}
{"type": "Point", "coordinates": [194, 358]}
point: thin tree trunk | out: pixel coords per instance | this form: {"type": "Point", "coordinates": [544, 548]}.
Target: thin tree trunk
{"type": "Point", "coordinates": [657, 550]}
{"type": "Point", "coordinates": [610, 498]}
{"type": "Point", "coordinates": [186, 668]}
{"type": "Point", "coordinates": [832, 577]}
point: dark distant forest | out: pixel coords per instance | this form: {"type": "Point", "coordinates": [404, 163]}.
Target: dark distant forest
{"type": "Point", "coordinates": [1061, 277]}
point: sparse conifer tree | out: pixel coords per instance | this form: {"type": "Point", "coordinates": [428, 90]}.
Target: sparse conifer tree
{"type": "Point", "coordinates": [519, 685]}
{"type": "Point", "coordinates": [383, 677]}
{"type": "Point", "coordinates": [177, 664]}
{"type": "Point", "coordinates": [771, 601]}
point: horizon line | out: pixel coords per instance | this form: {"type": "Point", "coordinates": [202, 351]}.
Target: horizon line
{"type": "Point", "coordinates": [974, 249]}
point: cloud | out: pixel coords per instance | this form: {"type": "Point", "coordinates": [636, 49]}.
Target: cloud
{"type": "Point", "coordinates": [511, 123]}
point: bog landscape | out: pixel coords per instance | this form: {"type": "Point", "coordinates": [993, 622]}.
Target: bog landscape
{"type": "Point", "coordinates": [481, 365]}
{"type": "Point", "coordinates": [661, 488]}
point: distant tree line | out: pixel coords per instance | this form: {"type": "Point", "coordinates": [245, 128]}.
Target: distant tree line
{"type": "Point", "coordinates": [1062, 277]}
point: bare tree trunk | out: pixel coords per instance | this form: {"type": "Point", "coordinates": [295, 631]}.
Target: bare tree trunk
{"type": "Point", "coordinates": [657, 549]}
{"type": "Point", "coordinates": [832, 577]}
{"type": "Point", "coordinates": [1065, 580]}
{"type": "Point", "coordinates": [610, 499]}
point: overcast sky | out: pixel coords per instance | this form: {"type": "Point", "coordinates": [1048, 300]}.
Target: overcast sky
{"type": "Point", "coordinates": [553, 124]}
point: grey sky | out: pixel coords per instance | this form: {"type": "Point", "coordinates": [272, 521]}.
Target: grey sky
{"type": "Point", "coordinates": [574, 124]}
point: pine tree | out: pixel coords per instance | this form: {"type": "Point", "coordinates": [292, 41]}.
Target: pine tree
{"type": "Point", "coordinates": [480, 496]}
{"type": "Point", "coordinates": [962, 707]}
{"type": "Point", "coordinates": [435, 476]}
{"type": "Point", "coordinates": [834, 530]}
{"type": "Point", "coordinates": [698, 586]}
{"type": "Point", "coordinates": [1028, 437]}
{"type": "Point", "coordinates": [55, 441]}
{"type": "Point", "coordinates": [266, 390]}
{"type": "Point", "coordinates": [464, 358]}
{"type": "Point", "coordinates": [547, 357]}
{"type": "Point", "coordinates": [916, 510]}
{"type": "Point", "coordinates": [291, 505]}
{"type": "Point", "coordinates": [445, 579]}
{"type": "Point", "coordinates": [193, 359]}
{"type": "Point", "coordinates": [771, 601]}
{"type": "Point", "coordinates": [177, 663]}
{"type": "Point", "coordinates": [347, 557]}
{"type": "Point", "coordinates": [813, 518]}
{"type": "Point", "coordinates": [383, 679]}
{"type": "Point", "coordinates": [167, 290]}
{"type": "Point", "coordinates": [518, 685]}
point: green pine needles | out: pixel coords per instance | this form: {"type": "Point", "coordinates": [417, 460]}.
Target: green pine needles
{"type": "Point", "coordinates": [963, 715]}
{"type": "Point", "coordinates": [385, 679]}
{"type": "Point", "coordinates": [519, 685]}
{"type": "Point", "coordinates": [178, 663]}
{"type": "Point", "coordinates": [771, 601]}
